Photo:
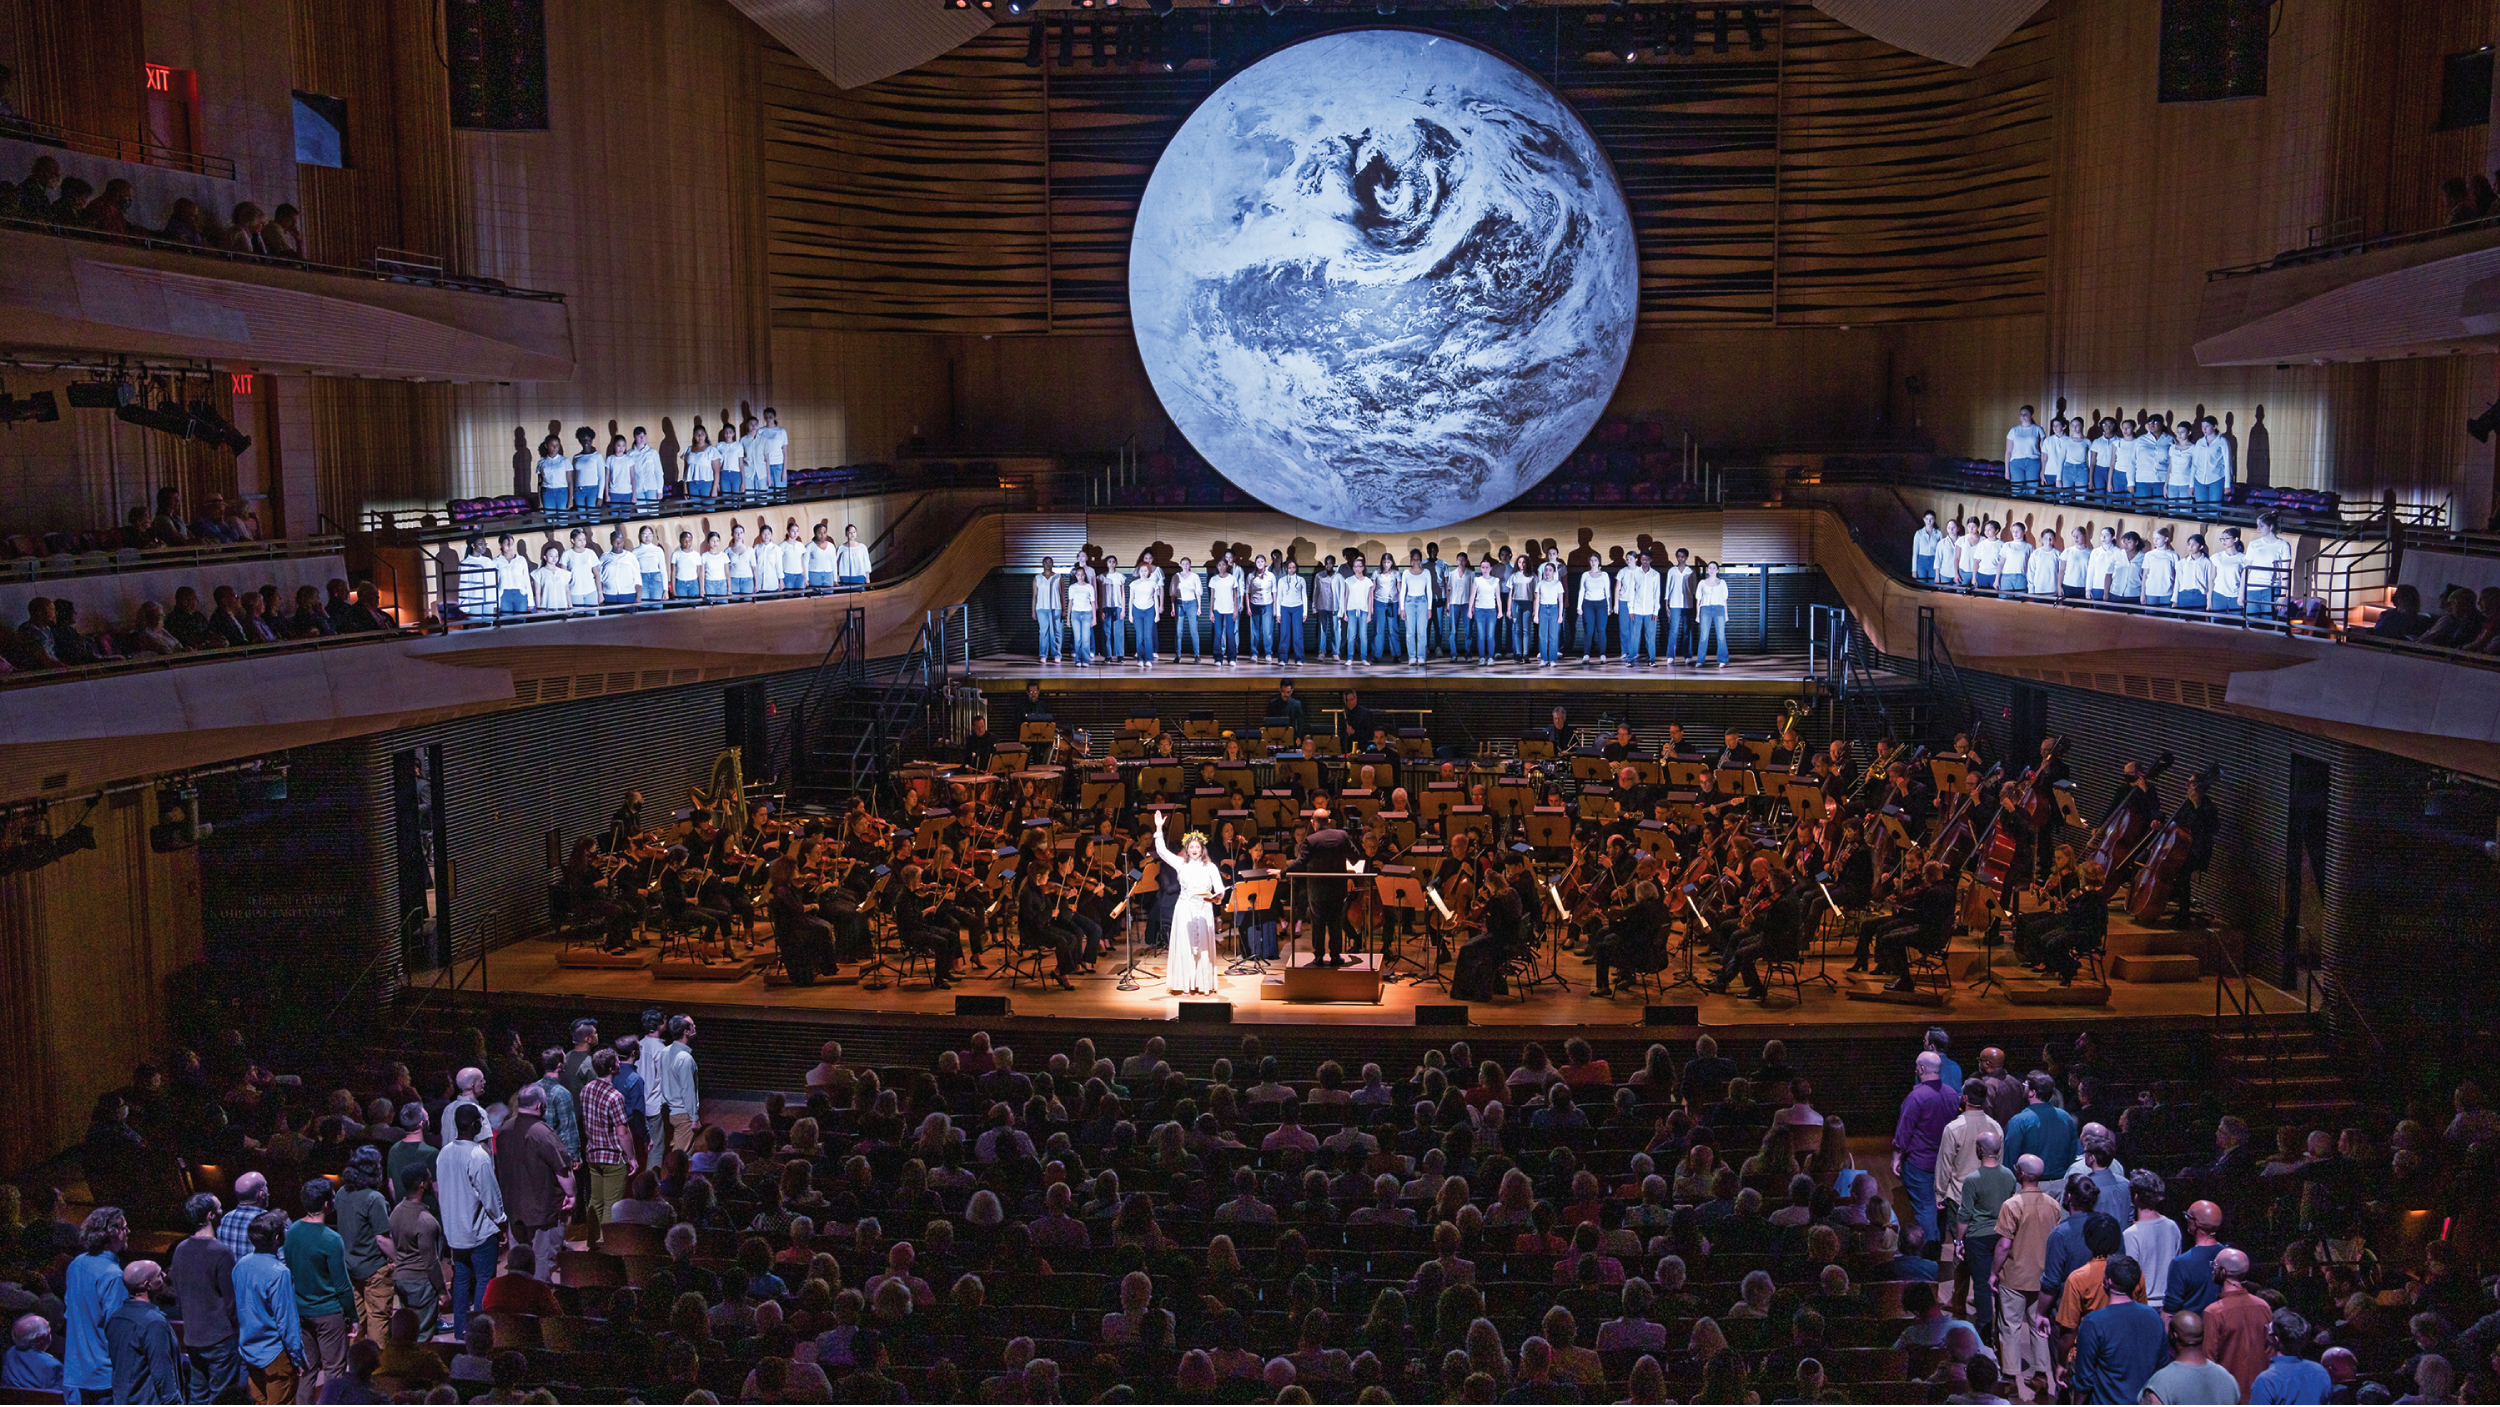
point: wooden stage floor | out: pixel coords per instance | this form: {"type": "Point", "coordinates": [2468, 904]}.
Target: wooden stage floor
{"type": "Point", "coordinates": [530, 969]}
{"type": "Point", "coordinates": [1774, 674]}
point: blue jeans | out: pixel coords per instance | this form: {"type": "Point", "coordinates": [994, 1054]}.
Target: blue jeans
{"type": "Point", "coordinates": [1114, 630]}
{"type": "Point", "coordinates": [1485, 616]}
{"type": "Point", "coordinates": [1081, 630]}
{"type": "Point", "coordinates": [470, 1270]}
{"type": "Point", "coordinates": [2019, 471]}
{"type": "Point", "coordinates": [1327, 632]}
{"type": "Point", "coordinates": [2177, 493]}
{"type": "Point", "coordinates": [1262, 631]}
{"type": "Point", "coordinates": [2226, 605]}
{"type": "Point", "coordinates": [513, 603]}
{"type": "Point", "coordinates": [1672, 619]}
{"type": "Point", "coordinates": [1640, 638]}
{"type": "Point", "coordinates": [1384, 629]}
{"type": "Point", "coordinates": [1920, 1183]}
{"type": "Point", "coordinates": [742, 586]}
{"type": "Point", "coordinates": [820, 581]}
{"type": "Point", "coordinates": [2261, 600]}
{"type": "Point", "coordinates": [2190, 599]}
{"type": "Point", "coordinates": [1185, 639]}
{"type": "Point", "coordinates": [654, 586]}
{"type": "Point", "coordinates": [1448, 617]}
{"type": "Point", "coordinates": [1227, 635]}
{"type": "Point", "coordinates": [555, 498]}
{"type": "Point", "coordinates": [1549, 632]}
{"type": "Point", "coordinates": [1713, 622]}
{"type": "Point", "coordinates": [732, 482]}
{"type": "Point", "coordinates": [1047, 623]}
{"type": "Point", "coordinates": [2209, 493]}
{"type": "Point", "coordinates": [1142, 620]}
{"type": "Point", "coordinates": [1922, 568]}
{"type": "Point", "coordinates": [1418, 629]}
{"type": "Point", "coordinates": [699, 488]}
{"type": "Point", "coordinates": [1523, 629]}
{"type": "Point", "coordinates": [1289, 633]}
{"type": "Point", "coordinates": [211, 1371]}
{"type": "Point", "coordinates": [777, 475]}
{"type": "Point", "coordinates": [2148, 488]}
{"type": "Point", "coordinates": [1592, 629]}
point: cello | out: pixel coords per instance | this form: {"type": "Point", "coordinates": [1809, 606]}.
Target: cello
{"type": "Point", "coordinates": [2124, 831]}
{"type": "Point", "coordinates": [2039, 808]}
{"type": "Point", "coordinates": [2165, 855]}
{"type": "Point", "coordinates": [1958, 838]}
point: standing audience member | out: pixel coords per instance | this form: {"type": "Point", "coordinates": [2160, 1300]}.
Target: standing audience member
{"type": "Point", "coordinates": [316, 1259]}
{"type": "Point", "coordinates": [532, 1169]}
{"type": "Point", "coordinates": [362, 1215]}
{"type": "Point", "coordinates": [91, 1289]}
{"type": "Point", "coordinates": [473, 1213]}
{"type": "Point", "coordinates": [140, 1341]}
{"type": "Point", "coordinates": [417, 1251]}
{"type": "Point", "coordinates": [2191, 1377]}
{"type": "Point", "coordinates": [270, 1334]}
{"type": "Point", "coordinates": [203, 1285]}
{"type": "Point", "coordinates": [2119, 1346]}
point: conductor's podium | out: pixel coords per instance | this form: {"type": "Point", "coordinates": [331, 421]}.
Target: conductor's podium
{"type": "Point", "coordinates": [1303, 981]}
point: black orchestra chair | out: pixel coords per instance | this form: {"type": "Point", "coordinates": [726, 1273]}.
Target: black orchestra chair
{"type": "Point", "coordinates": [1931, 967]}
{"type": "Point", "coordinates": [685, 930]}
{"type": "Point", "coordinates": [1021, 960]}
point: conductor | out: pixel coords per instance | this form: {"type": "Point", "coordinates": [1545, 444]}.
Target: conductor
{"type": "Point", "coordinates": [1324, 855]}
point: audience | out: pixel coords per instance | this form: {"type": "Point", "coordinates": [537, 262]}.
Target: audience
{"type": "Point", "coordinates": [51, 636]}
{"type": "Point", "coordinates": [46, 197]}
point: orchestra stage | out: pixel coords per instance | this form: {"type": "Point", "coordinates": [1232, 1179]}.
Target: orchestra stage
{"type": "Point", "coordinates": [1771, 675]}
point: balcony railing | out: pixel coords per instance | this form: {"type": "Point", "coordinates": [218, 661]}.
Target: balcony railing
{"type": "Point", "coordinates": [398, 269]}
{"type": "Point", "coordinates": [118, 148]}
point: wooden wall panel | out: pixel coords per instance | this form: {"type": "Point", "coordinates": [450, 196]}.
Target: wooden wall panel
{"type": "Point", "coordinates": [1910, 189]}
{"type": "Point", "coordinates": [86, 947]}
{"type": "Point", "coordinates": [383, 62]}
{"type": "Point", "coordinates": [381, 444]}
{"type": "Point", "coordinates": [647, 215]}
{"type": "Point", "coordinates": [88, 470]}
{"type": "Point", "coordinates": [82, 65]}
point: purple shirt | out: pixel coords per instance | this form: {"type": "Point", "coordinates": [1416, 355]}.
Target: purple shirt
{"type": "Point", "coordinates": [1923, 1116]}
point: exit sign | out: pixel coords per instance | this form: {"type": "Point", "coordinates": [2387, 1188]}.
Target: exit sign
{"type": "Point", "coordinates": [160, 78]}
{"type": "Point", "coordinates": [243, 383]}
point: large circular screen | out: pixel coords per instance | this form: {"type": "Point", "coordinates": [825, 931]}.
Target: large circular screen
{"type": "Point", "coordinates": [1384, 280]}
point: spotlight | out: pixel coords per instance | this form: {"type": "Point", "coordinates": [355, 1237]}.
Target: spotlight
{"type": "Point", "coordinates": [2481, 426]}
{"type": "Point", "coordinates": [76, 838]}
{"type": "Point", "coordinates": [101, 395]}
{"type": "Point", "coordinates": [40, 406]}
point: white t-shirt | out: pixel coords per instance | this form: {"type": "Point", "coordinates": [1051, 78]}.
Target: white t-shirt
{"type": "Point", "coordinates": [1680, 581]}
{"type": "Point", "coordinates": [1639, 591]}
{"type": "Point", "coordinates": [620, 470]}
{"type": "Point", "coordinates": [513, 574]}
{"type": "Point", "coordinates": [2228, 567]}
{"type": "Point", "coordinates": [1263, 587]}
{"type": "Point", "coordinates": [742, 561]}
{"type": "Point", "coordinates": [1224, 593]}
{"type": "Point", "coordinates": [2161, 572]}
{"type": "Point", "coordinates": [1456, 591]}
{"type": "Point", "coordinates": [715, 566]}
{"type": "Point", "coordinates": [1923, 543]}
{"type": "Point", "coordinates": [687, 566]}
{"type": "Point", "coordinates": [1549, 592]}
{"type": "Point", "coordinates": [1415, 584]}
{"type": "Point", "coordinates": [1358, 592]}
{"type": "Point", "coordinates": [649, 559]}
{"type": "Point", "coordinates": [1984, 556]}
{"type": "Point", "coordinates": [773, 442]}
{"type": "Point", "coordinates": [1080, 598]}
{"type": "Point", "coordinates": [1948, 557]}
{"type": "Point", "coordinates": [702, 465]}
{"type": "Point", "coordinates": [2073, 563]}
{"type": "Point", "coordinates": [1596, 587]}
{"type": "Point", "coordinates": [1484, 593]}
{"type": "Point", "coordinates": [794, 558]}
{"type": "Point", "coordinates": [1710, 591]}
{"type": "Point", "coordinates": [1145, 591]}
{"type": "Point", "coordinates": [2040, 573]}
{"type": "Point", "coordinates": [584, 565]}
{"type": "Point", "coordinates": [2023, 442]}
{"type": "Point", "coordinates": [851, 559]}
{"type": "Point", "coordinates": [733, 456]}
{"type": "Point", "coordinates": [820, 556]}
{"type": "Point", "coordinates": [2182, 464]}
{"type": "Point", "coordinates": [2265, 553]}
{"type": "Point", "coordinates": [1188, 585]}
{"type": "Point", "coordinates": [2104, 561]}
{"type": "Point", "coordinates": [620, 574]}
{"type": "Point", "coordinates": [2152, 458]}
{"type": "Point", "coordinates": [648, 480]}
{"type": "Point", "coordinates": [554, 588]}
{"type": "Point", "coordinates": [588, 467]}
{"type": "Point", "coordinates": [2104, 452]}
{"type": "Point", "coordinates": [555, 472]}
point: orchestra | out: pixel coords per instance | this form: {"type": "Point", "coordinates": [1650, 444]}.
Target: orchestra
{"type": "Point", "coordinates": [1580, 841]}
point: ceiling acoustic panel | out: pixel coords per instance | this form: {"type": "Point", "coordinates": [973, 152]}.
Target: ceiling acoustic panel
{"type": "Point", "coordinates": [856, 42]}
{"type": "Point", "coordinates": [1958, 32]}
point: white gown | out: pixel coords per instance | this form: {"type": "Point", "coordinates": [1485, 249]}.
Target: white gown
{"type": "Point", "coordinates": [1192, 964]}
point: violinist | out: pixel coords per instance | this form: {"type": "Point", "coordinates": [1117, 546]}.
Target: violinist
{"type": "Point", "coordinates": [1774, 935]}
{"type": "Point", "coordinates": [920, 918]}
{"type": "Point", "coordinates": [1840, 775]}
{"type": "Point", "coordinates": [1633, 938]}
{"type": "Point", "coordinates": [1483, 967]}
{"type": "Point", "coordinates": [1092, 897]}
{"type": "Point", "coordinates": [2083, 927]}
{"type": "Point", "coordinates": [1925, 923]}
{"type": "Point", "coordinates": [592, 900]}
{"type": "Point", "coordinates": [1044, 920]}
{"type": "Point", "coordinates": [806, 940]}
{"type": "Point", "coordinates": [2053, 894]}
{"type": "Point", "coordinates": [1764, 886]}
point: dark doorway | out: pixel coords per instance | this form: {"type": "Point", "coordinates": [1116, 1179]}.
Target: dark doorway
{"type": "Point", "coordinates": [424, 857]}
{"type": "Point", "coordinates": [2026, 723]}
{"type": "Point", "coordinates": [2304, 870]}
{"type": "Point", "coordinates": [743, 720]}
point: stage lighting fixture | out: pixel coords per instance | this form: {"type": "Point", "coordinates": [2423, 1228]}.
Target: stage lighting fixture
{"type": "Point", "coordinates": [1033, 45]}
{"type": "Point", "coordinates": [101, 395]}
{"type": "Point", "coordinates": [2481, 426]}
{"type": "Point", "coordinates": [178, 825]}
{"type": "Point", "coordinates": [1755, 39]}
{"type": "Point", "coordinates": [40, 406]}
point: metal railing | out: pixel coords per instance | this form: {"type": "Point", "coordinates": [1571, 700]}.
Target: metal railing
{"type": "Point", "coordinates": [144, 153]}
{"type": "Point", "coordinates": [1894, 470]}
{"type": "Point", "coordinates": [433, 523]}
{"type": "Point", "coordinates": [437, 279]}
{"type": "Point", "coordinates": [101, 562]}
{"type": "Point", "coordinates": [2236, 989]}
{"type": "Point", "coordinates": [841, 669]}
{"type": "Point", "coordinates": [2340, 240]}
{"type": "Point", "coordinates": [1938, 672]}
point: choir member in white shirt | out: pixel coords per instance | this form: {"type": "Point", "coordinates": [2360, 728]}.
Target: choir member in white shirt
{"type": "Point", "coordinates": [1224, 586]}
{"type": "Point", "coordinates": [773, 443]}
{"type": "Point", "coordinates": [1047, 601]}
{"type": "Point", "coordinates": [1549, 609]}
{"type": "Point", "coordinates": [1261, 600]}
{"type": "Point", "coordinates": [1949, 555]}
{"type": "Point", "coordinates": [1923, 544]}
{"type": "Point", "coordinates": [702, 465]}
{"type": "Point", "coordinates": [850, 560]}
{"type": "Point", "coordinates": [2180, 482]}
{"type": "Point", "coordinates": [620, 574]}
{"type": "Point", "coordinates": [590, 469]}
{"type": "Point", "coordinates": [686, 568]}
{"type": "Point", "coordinates": [1675, 614]}
{"type": "Point", "coordinates": [1457, 588]}
{"type": "Point", "coordinates": [2022, 450]}
{"type": "Point", "coordinates": [822, 552]}
{"type": "Point", "coordinates": [1114, 609]}
{"type": "Point", "coordinates": [1637, 593]}
{"type": "Point", "coordinates": [2230, 569]}
{"type": "Point", "coordinates": [2196, 576]}
{"type": "Point", "coordinates": [649, 481]}
{"type": "Point", "coordinates": [2161, 570]}
{"type": "Point", "coordinates": [793, 556]}
{"type": "Point", "coordinates": [2269, 567]}
{"type": "Point", "coordinates": [620, 472]}
{"type": "Point", "coordinates": [1484, 602]}
{"type": "Point", "coordinates": [715, 566]}
{"type": "Point", "coordinates": [1145, 608]}
{"type": "Point", "coordinates": [2014, 561]}
{"type": "Point", "coordinates": [1969, 553]}
{"type": "Point", "coordinates": [1596, 606]}
{"type": "Point", "coordinates": [512, 578]}
{"type": "Point", "coordinates": [2040, 572]}
{"type": "Point", "coordinates": [555, 476]}
{"type": "Point", "coordinates": [733, 459]}
{"type": "Point", "coordinates": [2053, 453]}
{"type": "Point", "coordinates": [2152, 460]}
{"type": "Point", "coordinates": [1293, 597]}
{"type": "Point", "coordinates": [740, 562]}
{"type": "Point", "coordinates": [583, 563]}
{"type": "Point", "coordinates": [1328, 606]}
{"type": "Point", "coordinates": [2073, 564]}
{"type": "Point", "coordinates": [1991, 553]}
{"type": "Point", "coordinates": [1189, 595]}
{"type": "Point", "coordinates": [651, 563]}
{"type": "Point", "coordinates": [767, 560]}
{"type": "Point", "coordinates": [1710, 605]}
{"type": "Point", "coordinates": [1519, 591]}
{"type": "Point", "coordinates": [1081, 592]}
{"type": "Point", "coordinates": [2211, 468]}
{"type": "Point", "coordinates": [2104, 563]}
{"type": "Point", "coordinates": [2103, 455]}
{"type": "Point", "coordinates": [1354, 599]}
{"type": "Point", "coordinates": [1414, 586]}
{"type": "Point", "coordinates": [551, 585]}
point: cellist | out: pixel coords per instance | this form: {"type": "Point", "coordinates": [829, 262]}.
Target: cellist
{"type": "Point", "coordinates": [2044, 780]}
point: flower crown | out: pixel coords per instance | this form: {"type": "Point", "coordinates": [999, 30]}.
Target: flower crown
{"type": "Point", "coordinates": [1198, 836]}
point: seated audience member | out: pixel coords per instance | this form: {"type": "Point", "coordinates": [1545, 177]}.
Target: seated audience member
{"type": "Point", "coordinates": [2403, 619]}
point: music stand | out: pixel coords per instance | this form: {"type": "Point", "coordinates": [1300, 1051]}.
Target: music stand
{"type": "Point", "coordinates": [1684, 807]}
{"type": "Point", "coordinates": [1149, 881]}
{"type": "Point", "coordinates": [1401, 892]}
{"type": "Point", "coordinates": [932, 830]}
{"type": "Point", "coordinates": [1360, 802]}
{"type": "Point", "coordinates": [1142, 724]}
{"type": "Point", "coordinates": [1760, 748]}
{"type": "Point", "coordinates": [1127, 747]}
{"type": "Point", "coordinates": [1277, 735]}
{"type": "Point", "coordinates": [1234, 776]}
{"type": "Point", "coordinates": [1650, 770]}
{"type": "Point", "coordinates": [1512, 799]}
{"type": "Point", "coordinates": [1656, 839]}
{"type": "Point", "coordinates": [1471, 819]}
{"type": "Point", "coordinates": [1242, 821]}
{"type": "Point", "coordinates": [1549, 828]}
{"type": "Point", "coordinates": [1094, 791]}
{"type": "Point", "coordinates": [1201, 723]}
{"type": "Point", "coordinates": [1274, 808]}
{"type": "Point", "coordinates": [1163, 774]}
{"type": "Point", "coordinates": [1204, 803]}
{"type": "Point", "coordinates": [1590, 767]}
{"type": "Point", "coordinates": [1598, 803]}
{"type": "Point", "coordinates": [1438, 798]}
{"type": "Point", "coordinates": [1412, 743]}
{"type": "Point", "coordinates": [1688, 776]}
{"type": "Point", "coordinates": [1007, 758]}
{"type": "Point", "coordinates": [1040, 731]}
{"type": "Point", "coordinates": [1253, 892]}
{"type": "Point", "coordinates": [2067, 811]}
{"type": "Point", "coordinates": [1400, 826]}
{"type": "Point", "coordinates": [1739, 781]}
{"type": "Point", "coordinates": [1952, 774]}
{"type": "Point", "coordinates": [1535, 749]}
{"type": "Point", "coordinates": [1326, 744]}
{"type": "Point", "coordinates": [1691, 936]}
{"type": "Point", "coordinates": [1302, 772]}
{"type": "Point", "coordinates": [1805, 801]}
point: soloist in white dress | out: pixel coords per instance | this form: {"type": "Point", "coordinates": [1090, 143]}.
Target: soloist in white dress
{"type": "Point", "coordinates": [1192, 964]}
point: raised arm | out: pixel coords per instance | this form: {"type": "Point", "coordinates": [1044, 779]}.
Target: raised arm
{"type": "Point", "coordinates": [1163, 851]}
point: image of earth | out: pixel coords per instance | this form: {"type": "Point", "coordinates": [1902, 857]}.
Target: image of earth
{"type": "Point", "coordinates": [1384, 280]}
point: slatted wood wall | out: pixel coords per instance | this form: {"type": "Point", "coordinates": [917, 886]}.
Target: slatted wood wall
{"type": "Point", "coordinates": [80, 64]}
{"type": "Point", "coordinates": [979, 195]}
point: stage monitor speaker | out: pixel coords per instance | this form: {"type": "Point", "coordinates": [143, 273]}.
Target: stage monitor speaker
{"type": "Point", "coordinates": [1207, 1013]}
{"type": "Point", "coordinates": [1440, 1015]}
{"type": "Point", "coordinates": [983, 1006]}
{"type": "Point", "coordinates": [1671, 1016]}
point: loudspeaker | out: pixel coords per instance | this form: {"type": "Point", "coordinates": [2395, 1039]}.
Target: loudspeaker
{"type": "Point", "coordinates": [1207, 1013]}
{"type": "Point", "coordinates": [1671, 1016]}
{"type": "Point", "coordinates": [1440, 1016]}
{"type": "Point", "coordinates": [983, 1006]}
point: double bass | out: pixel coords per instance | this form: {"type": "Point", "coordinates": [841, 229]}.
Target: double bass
{"type": "Point", "coordinates": [2123, 832]}
{"type": "Point", "coordinates": [1958, 838]}
{"type": "Point", "coordinates": [2037, 807]}
{"type": "Point", "coordinates": [2165, 855]}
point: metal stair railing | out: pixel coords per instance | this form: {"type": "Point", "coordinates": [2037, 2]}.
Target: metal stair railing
{"type": "Point", "coordinates": [839, 672]}
{"type": "Point", "coordinates": [1937, 671]}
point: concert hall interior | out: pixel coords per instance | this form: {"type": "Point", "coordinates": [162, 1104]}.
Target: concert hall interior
{"type": "Point", "coordinates": [1303, 701]}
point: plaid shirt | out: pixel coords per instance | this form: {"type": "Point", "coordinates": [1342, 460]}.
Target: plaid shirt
{"type": "Point", "coordinates": [234, 1230]}
{"type": "Point", "coordinates": [562, 1116]}
{"type": "Point", "coordinates": [603, 1124]}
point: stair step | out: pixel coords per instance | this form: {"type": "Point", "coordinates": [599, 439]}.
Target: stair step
{"type": "Point", "coordinates": [2157, 967]}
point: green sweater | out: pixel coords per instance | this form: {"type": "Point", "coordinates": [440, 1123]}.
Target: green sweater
{"type": "Point", "coordinates": [317, 1258]}
{"type": "Point", "coordinates": [1984, 1190]}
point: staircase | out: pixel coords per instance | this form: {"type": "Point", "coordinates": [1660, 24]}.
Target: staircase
{"type": "Point", "coordinates": [2284, 1066]}
{"type": "Point", "coordinates": [858, 723]}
